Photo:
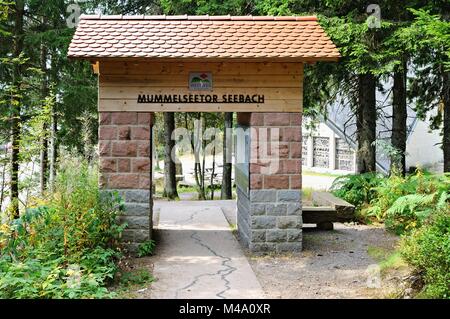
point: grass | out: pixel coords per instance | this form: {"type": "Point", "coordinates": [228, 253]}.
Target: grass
{"type": "Point", "coordinates": [132, 280]}
{"type": "Point", "coordinates": [307, 193]}
{"type": "Point", "coordinates": [233, 228]}
{"type": "Point", "coordinates": [324, 174]}
{"type": "Point", "coordinates": [386, 259]}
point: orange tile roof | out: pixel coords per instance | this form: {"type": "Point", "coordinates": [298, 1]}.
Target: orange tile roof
{"type": "Point", "coordinates": [210, 37]}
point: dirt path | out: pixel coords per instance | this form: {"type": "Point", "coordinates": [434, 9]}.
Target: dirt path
{"type": "Point", "coordinates": [333, 264]}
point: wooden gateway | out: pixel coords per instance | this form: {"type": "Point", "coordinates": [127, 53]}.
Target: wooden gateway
{"type": "Point", "coordinates": [249, 65]}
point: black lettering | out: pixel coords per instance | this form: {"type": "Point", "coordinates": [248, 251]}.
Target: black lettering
{"type": "Point", "coordinates": [196, 98]}
{"type": "Point", "coordinates": [167, 98]}
{"type": "Point", "coordinates": [235, 98]}
{"type": "Point", "coordinates": [191, 98]}
{"type": "Point", "coordinates": [201, 98]}
{"type": "Point", "coordinates": [215, 97]}
{"type": "Point", "coordinates": [141, 98]}
{"type": "Point", "coordinates": [158, 98]}
{"type": "Point", "coordinates": [224, 98]}
{"type": "Point", "coordinates": [260, 98]}
{"type": "Point", "coordinates": [175, 98]}
{"type": "Point", "coordinates": [241, 98]}
{"type": "Point", "coordinates": [248, 99]}
{"type": "Point", "coordinates": [185, 98]}
{"type": "Point", "coordinates": [208, 98]}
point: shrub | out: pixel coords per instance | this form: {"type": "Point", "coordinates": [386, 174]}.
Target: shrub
{"type": "Point", "coordinates": [409, 212]}
{"type": "Point", "coordinates": [427, 249]}
{"type": "Point", "coordinates": [146, 248]}
{"type": "Point", "coordinates": [67, 246]}
{"type": "Point", "coordinates": [356, 189]}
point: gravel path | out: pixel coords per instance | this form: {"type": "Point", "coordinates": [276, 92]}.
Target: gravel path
{"type": "Point", "coordinates": [333, 264]}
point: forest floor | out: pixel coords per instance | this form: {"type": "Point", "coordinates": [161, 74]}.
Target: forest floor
{"type": "Point", "coordinates": [342, 263]}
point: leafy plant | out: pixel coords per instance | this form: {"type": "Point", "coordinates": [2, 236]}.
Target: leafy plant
{"type": "Point", "coordinates": [146, 248]}
{"type": "Point", "coordinates": [135, 277]}
{"type": "Point", "coordinates": [356, 189]}
{"type": "Point", "coordinates": [427, 249]}
{"type": "Point", "coordinates": [67, 246]}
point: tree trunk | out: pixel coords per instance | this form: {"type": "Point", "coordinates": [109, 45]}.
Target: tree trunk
{"type": "Point", "coordinates": [366, 123]}
{"type": "Point", "coordinates": [53, 147]}
{"type": "Point", "coordinates": [170, 183]}
{"type": "Point", "coordinates": [2, 186]}
{"type": "Point", "coordinates": [226, 191]}
{"type": "Point", "coordinates": [399, 117]}
{"type": "Point", "coordinates": [446, 106]}
{"type": "Point", "coordinates": [16, 108]}
{"type": "Point", "coordinates": [44, 141]}
{"type": "Point", "coordinates": [53, 127]}
{"type": "Point", "coordinates": [213, 170]}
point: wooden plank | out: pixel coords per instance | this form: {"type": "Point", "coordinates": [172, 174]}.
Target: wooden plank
{"type": "Point", "coordinates": [130, 93]}
{"type": "Point", "coordinates": [122, 105]}
{"type": "Point", "coordinates": [157, 80]}
{"type": "Point", "coordinates": [344, 210]}
{"type": "Point", "coordinates": [183, 68]}
{"type": "Point", "coordinates": [315, 215]}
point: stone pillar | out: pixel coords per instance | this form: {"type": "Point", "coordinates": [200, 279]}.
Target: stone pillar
{"type": "Point", "coordinates": [269, 213]}
{"type": "Point", "coordinates": [125, 166]}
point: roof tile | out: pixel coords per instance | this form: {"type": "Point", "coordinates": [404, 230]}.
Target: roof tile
{"type": "Point", "coordinates": [244, 37]}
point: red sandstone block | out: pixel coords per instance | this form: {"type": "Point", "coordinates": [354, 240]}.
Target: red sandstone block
{"type": "Point", "coordinates": [291, 134]}
{"type": "Point", "coordinates": [104, 148]}
{"type": "Point", "coordinates": [292, 166]}
{"type": "Point", "coordinates": [283, 150]}
{"type": "Point", "coordinates": [276, 181]}
{"type": "Point", "coordinates": [108, 165]}
{"type": "Point", "coordinates": [140, 165]}
{"type": "Point", "coordinates": [124, 132]}
{"type": "Point", "coordinates": [143, 148]}
{"type": "Point", "coordinates": [107, 133]}
{"type": "Point", "coordinates": [104, 118]}
{"type": "Point", "coordinates": [120, 181]}
{"type": "Point", "coordinates": [256, 167]}
{"type": "Point", "coordinates": [296, 150]}
{"type": "Point", "coordinates": [124, 149]}
{"type": "Point", "coordinates": [296, 119]}
{"type": "Point", "coordinates": [140, 133]}
{"type": "Point", "coordinates": [296, 181]}
{"type": "Point", "coordinates": [144, 181]}
{"type": "Point", "coordinates": [257, 119]}
{"type": "Point", "coordinates": [123, 165]}
{"type": "Point", "coordinates": [256, 181]}
{"type": "Point", "coordinates": [145, 118]}
{"type": "Point", "coordinates": [277, 119]}
{"type": "Point", "coordinates": [123, 118]}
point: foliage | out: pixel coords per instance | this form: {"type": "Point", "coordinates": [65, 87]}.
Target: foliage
{"type": "Point", "coordinates": [427, 249]}
{"type": "Point", "coordinates": [356, 189]}
{"type": "Point", "coordinates": [410, 211]}
{"type": "Point", "coordinates": [416, 206]}
{"type": "Point", "coordinates": [67, 245]}
{"type": "Point", "coordinates": [135, 277]}
{"type": "Point", "coordinates": [146, 248]}
{"type": "Point", "coordinates": [401, 202]}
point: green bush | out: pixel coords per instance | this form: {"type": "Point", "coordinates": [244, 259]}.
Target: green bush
{"type": "Point", "coordinates": [427, 249]}
{"type": "Point", "coordinates": [66, 246]}
{"type": "Point", "coordinates": [394, 199]}
{"type": "Point", "coordinates": [356, 189]}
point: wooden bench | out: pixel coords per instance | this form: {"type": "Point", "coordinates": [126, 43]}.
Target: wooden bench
{"type": "Point", "coordinates": [330, 209]}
